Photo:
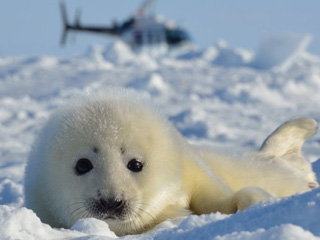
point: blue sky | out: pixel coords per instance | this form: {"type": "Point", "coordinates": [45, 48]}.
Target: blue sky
{"type": "Point", "coordinates": [34, 27]}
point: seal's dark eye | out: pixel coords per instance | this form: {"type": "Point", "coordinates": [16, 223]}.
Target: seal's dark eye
{"type": "Point", "coordinates": [83, 166]}
{"type": "Point", "coordinates": [135, 165]}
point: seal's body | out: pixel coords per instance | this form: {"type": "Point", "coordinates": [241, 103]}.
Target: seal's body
{"type": "Point", "coordinates": [115, 158]}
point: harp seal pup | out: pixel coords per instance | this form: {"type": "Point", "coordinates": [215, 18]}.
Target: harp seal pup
{"type": "Point", "coordinates": [114, 157]}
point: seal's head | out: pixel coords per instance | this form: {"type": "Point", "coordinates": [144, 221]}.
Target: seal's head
{"type": "Point", "coordinates": [109, 158]}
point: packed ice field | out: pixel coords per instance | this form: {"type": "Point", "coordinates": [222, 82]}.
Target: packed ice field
{"type": "Point", "coordinates": [222, 97]}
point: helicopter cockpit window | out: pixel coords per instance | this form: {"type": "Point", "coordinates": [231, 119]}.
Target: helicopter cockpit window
{"type": "Point", "coordinates": [176, 36]}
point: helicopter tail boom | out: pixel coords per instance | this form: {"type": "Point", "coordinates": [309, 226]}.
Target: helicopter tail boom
{"type": "Point", "coordinates": [113, 31]}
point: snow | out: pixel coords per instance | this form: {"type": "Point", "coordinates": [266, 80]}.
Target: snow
{"type": "Point", "coordinates": [279, 50]}
{"type": "Point", "coordinates": [224, 97]}
{"type": "Point", "coordinates": [92, 226]}
{"type": "Point", "coordinates": [118, 53]}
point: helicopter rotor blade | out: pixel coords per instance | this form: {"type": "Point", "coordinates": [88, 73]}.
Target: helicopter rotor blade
{"type": "Point", "coordinates": [145, 6]}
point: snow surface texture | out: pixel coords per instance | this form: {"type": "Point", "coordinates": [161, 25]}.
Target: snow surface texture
{"type": "Point", "coordinates": [223, 97]}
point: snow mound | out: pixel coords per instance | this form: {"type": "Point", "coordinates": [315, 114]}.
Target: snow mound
{"type": "Point", "coordinates": [10, 192]}
{"type": "Point", "coordinates": [96, 54]}
{"type": "Point", "coordinates": [22, 223]}
{"type": "Point", "coordinates": [229, 56]}
{"type": "Point", "coordinates": [221, 54]}
{"type": "Point", "coordinates": [283, 232]}
{"type": "Point", "coordinates": [118, 53]}
{"type": "Point", "coordinates": [153, 84]}
{"type": "Point", "coordinates": [280, 50]}
{"type": "Point", "coordinates": [207, 54]}
{"type": "Point", "coordinates": [277, 51]}
{"type": "Point", "coordinates": [92, 226]}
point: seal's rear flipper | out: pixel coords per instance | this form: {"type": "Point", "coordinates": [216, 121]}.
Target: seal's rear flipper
{"type": "Point", "coordinates": [289, 137]}
{"type": "Point", "coordinates": [285, 143]}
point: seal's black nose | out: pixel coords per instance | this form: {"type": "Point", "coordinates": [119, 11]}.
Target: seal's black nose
{"type": "Point", "coordinates": [111, 204]}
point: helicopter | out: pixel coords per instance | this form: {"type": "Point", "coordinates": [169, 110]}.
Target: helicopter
{"type": "Point", "coordinates": [143, 30]}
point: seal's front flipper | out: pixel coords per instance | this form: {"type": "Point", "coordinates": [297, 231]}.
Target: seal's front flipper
{"type": "Point", "coordinates": [289, 137]}
{"type": "Point", "coordinates": [249, 196]}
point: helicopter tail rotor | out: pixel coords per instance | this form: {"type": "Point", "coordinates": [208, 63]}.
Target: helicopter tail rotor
{"type": "Point", "coordinates": [65, 23]}
{"type": "Point", "coordinates": [77, 18]}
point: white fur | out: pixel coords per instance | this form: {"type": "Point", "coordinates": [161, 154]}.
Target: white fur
{"type": "Point", "coordinates": [176, 180]}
